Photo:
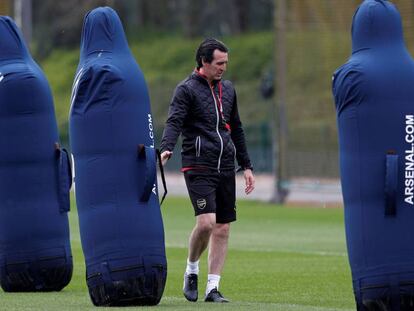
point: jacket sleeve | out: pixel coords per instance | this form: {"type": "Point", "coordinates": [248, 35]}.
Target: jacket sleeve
{"type": "Point", "coordinates": [237, 135]}
{"type": "Point", "coordinates": [177, 113]}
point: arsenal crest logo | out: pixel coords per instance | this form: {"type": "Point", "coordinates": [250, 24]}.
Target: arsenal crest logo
{"type": "Point", "coordinates": [201, 203]}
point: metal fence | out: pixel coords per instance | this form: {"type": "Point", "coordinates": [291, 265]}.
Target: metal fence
{"type": "Point", "coordinates": [318, 40]}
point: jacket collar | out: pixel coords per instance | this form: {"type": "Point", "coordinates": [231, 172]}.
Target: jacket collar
{"type": "Point", "coordinates": [200, 77]}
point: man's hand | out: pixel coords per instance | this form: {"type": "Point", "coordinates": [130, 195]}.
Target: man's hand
{"type": "Point", "coordinates": [249, 178]}
{"type": "Point", "coordinates": [165, 156]}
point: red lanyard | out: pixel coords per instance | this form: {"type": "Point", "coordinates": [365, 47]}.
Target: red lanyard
{"type": "Point", "coordinates": [220, 104]}
{"type": "Point", "coordinates": [218, 100]}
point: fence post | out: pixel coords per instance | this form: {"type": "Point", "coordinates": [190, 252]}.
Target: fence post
{"type": "Point", "coordinates": [23, 17]}
{"type": "Point", "coordinates": [280, 123]}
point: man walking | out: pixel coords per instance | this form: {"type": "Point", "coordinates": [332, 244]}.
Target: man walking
{"type": "Point", "coordinates": [204, 110]}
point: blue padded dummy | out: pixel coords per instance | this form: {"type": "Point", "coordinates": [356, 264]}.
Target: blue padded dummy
{"type": "Point", "coordinates": [112, 140]}
{"type": "Point", "coordinates": [374, 96]}
{"type": "Point", "coordinates": [35, 175]}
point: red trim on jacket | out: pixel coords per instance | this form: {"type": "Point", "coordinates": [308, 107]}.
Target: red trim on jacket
{"type": "Point", "coordinates": [197, 71]}
{"type": "Point", "coordinates": [193, 168]}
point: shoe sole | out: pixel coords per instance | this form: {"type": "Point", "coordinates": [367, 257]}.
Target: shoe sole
{"type": "Point", "coordinates": [190, 299]}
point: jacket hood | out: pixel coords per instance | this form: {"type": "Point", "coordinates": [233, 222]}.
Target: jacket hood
{"type": "Point", "coordinates": [376, 23]}
{"type": "Point", "coordinates": [102, 32]}
{"type": "Point", "coordinates": [12, 44]}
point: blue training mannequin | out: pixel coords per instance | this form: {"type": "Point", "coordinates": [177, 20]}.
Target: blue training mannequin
{"type": "Point", "coordinates": [35, 178]}
{"type": "Point", "coordinates": [112, 140]}
{"type": "Point", "coordinates": [374, 96]}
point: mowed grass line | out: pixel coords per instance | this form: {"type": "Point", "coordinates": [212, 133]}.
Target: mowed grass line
{"type": "Point", "coordinates": [279, 259]}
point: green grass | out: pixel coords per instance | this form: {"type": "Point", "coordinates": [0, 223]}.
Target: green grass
{"type": "Point", "coordinates": [279, 259]}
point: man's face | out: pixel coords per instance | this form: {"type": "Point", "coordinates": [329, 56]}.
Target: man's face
{"type": "Point", "coordinates": [216, 69]}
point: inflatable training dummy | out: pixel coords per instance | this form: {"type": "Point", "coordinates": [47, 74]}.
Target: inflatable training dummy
{"type": "Point", "coordinates": [35, 176]}
{"type": "Point", "coordinates": [374, 96]}
{"type": "Point", "coordinates": [112, 140]}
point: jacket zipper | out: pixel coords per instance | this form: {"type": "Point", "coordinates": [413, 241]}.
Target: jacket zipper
{"type": "Point", "coordinates": [217, 130]}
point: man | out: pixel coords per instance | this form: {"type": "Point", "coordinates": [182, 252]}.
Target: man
{"type": "Point", "coordinates": [204, 110]}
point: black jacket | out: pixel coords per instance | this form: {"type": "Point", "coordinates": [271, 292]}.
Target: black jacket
{"type": "Point", "coordinates": [209, 121]}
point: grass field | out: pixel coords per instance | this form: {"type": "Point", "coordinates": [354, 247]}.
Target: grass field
{"type": "Point", "coordinates": [279, 259]}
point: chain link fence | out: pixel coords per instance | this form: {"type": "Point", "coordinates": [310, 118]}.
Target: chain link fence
{"type": "Point", "coordinates": [318, 40]}
{"type": "Point", "coordinates": [318, 34]}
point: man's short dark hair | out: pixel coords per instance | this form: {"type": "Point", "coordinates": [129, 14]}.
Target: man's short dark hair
{"type": "Point", "coordinates": [206, 49]}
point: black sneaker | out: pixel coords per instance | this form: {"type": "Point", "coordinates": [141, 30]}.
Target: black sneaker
{"type": "Point", "coordinates": [215, 296]}
{"type": "Point", "coordinates": [190, 288]}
